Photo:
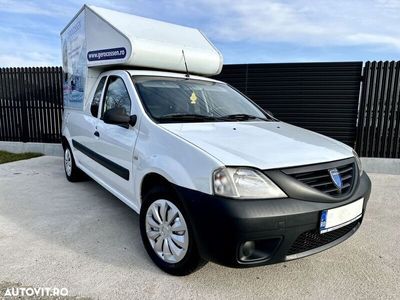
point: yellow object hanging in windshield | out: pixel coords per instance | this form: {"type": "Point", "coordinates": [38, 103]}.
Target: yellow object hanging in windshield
{"type": "Point", "coordinates": [193, 98]}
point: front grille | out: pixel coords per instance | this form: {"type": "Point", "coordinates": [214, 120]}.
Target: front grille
{"type": "Point", "coordinates": [313, 239]}
{"type": "Point", "coordinates": [322, 181]}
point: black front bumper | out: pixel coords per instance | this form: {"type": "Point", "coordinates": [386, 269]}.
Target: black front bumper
{"type": "Point", "coordinates": [282, 229]}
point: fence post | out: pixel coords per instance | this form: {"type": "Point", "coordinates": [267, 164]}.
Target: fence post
{"type": "Point", "coordinates": [22, 101]}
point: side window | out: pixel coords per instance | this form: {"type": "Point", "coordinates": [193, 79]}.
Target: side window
{"type": "Point", "coordinates": [116, 96]}
{"type": "Point", "coordinates": [94, 108]}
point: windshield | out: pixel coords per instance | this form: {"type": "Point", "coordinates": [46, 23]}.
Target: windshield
{"type": "Point", "coordinates": [182, 100]}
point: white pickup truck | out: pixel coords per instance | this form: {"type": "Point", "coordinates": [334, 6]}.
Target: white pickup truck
{"type": "Point", "coordinates": [212, 175]}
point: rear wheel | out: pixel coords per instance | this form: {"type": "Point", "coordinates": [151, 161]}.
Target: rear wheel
{"type": "Point", "coordinates": [167, 234]}
{"type": "Point", "coordinates": [72, 172]}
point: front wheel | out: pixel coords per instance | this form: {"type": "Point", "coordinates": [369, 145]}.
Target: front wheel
{"type": "Point", "coordinates": [167, 234]}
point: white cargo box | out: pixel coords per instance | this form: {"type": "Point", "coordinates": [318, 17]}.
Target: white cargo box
{"type": "Point", "coordinates": [97, 38]}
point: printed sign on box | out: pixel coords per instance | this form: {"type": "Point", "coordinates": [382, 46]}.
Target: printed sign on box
{"type": "Point", "coordinates": [74, 63]}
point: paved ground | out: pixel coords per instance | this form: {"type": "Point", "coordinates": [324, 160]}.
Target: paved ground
{"type": "Point", "coordinates": [58, 234]}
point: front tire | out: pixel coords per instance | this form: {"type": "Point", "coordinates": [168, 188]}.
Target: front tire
{"type": "Point", "coordinates": [72, 172]}
{"type": "Point", "coordinates": [167, 233]}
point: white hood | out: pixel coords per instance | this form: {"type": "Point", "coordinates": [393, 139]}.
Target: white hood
{"type": "Point", "coordinates": [259, 144]}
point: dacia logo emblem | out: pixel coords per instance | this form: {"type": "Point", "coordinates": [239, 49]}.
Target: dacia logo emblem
{"type": "Point", "coordinates": [336, 178]}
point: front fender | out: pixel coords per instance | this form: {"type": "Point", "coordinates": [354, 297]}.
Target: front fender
{"type": "Point", "coordinates": [173, 171]}
{"type": "Point", "coordinates": [178, 161]}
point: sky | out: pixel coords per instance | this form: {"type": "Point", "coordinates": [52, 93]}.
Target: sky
{"type": "Point", "coordinates": [249, 31]}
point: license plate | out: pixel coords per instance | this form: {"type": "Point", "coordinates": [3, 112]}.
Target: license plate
{"type": "Point", "coordinates": [335, 218]}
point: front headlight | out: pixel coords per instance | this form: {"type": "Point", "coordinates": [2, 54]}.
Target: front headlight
{"type": "Point", "coordinates": [358, 161]}
{"type": "Point", "coordinates": [244, 182]}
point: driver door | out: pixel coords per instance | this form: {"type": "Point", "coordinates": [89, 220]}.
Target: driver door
{"type": "Point", "coordinates": [116, 143]}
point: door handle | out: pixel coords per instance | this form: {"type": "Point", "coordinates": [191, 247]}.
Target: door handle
{"type": "Point", "coordinates": [96, 133]}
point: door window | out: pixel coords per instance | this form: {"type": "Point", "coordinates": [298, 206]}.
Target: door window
{"type": "Point", "coordinates": [116, 96]}
{"type": "Point", "coordinates": [94, 108]}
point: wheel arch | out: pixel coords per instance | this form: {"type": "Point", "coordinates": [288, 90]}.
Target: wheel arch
{"type": "Point", "coordinates": [153, 179]}
{"type": "Point", "coordinates": [64, 142]}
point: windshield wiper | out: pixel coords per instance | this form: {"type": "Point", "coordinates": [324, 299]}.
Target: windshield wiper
{"type": "Point", "coordinates": [242, 117]}
{"type": "Point", "coordinates": [186, 117]}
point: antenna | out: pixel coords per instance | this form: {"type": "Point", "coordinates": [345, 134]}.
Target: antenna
{"type": "Point", "coordinates": [184, 59]}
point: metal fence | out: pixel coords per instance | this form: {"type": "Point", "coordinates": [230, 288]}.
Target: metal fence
{"type": "Point", "coordinates": [323, 97]}
{"type": "Point", "coordinates": [31, 102]}
{"type": "Point", "coordinates": [379, 115]}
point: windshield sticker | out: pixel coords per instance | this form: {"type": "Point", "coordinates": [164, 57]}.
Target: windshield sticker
{"type": "Point", "coordinates": [193, 98]}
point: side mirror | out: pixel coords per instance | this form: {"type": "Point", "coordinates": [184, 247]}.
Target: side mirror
{"type": "Point", "coordinates": [118, 116]}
